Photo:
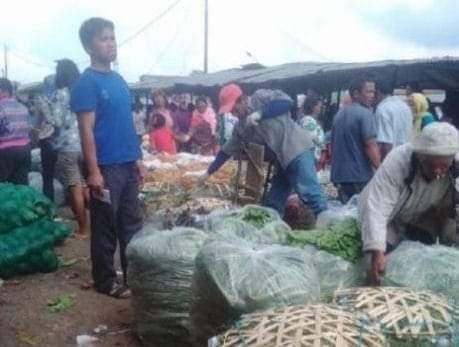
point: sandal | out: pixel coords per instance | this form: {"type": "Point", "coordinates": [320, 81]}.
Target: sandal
{"type": "Point", "coordinates": [119, 291]}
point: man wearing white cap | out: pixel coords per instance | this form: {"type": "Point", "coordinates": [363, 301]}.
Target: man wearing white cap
{"type": "Point", "coordinates": [412, 196]}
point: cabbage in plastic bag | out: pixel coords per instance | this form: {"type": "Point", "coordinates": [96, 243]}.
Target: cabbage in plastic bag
{"type": "Point", "coordinates": [161, 265]}
{"type": "Point", "coordinates": [236, 277]}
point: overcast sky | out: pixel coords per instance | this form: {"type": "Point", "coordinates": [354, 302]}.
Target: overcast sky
{"type": "Point", "coordinates": [241, 31]}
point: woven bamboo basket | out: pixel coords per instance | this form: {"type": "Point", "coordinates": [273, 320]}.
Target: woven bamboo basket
{"type": "Point", "coordinates": [302, 326]}
{"type": "Point", "coordinates": [401, 312]}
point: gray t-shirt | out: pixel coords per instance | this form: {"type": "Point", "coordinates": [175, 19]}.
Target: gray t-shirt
{"type": "Point", "coordinates": [352, 127]}
{"type": "Point", "coordinates": [283, 139]}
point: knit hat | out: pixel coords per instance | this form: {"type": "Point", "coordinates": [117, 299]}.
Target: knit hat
{"type": "Point", "coordinates": [437, 139]}
{"type": "Point", "coordinates": [228, 97]}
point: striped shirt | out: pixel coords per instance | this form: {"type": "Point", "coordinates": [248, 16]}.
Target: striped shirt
{"type": "Point", "coordinates": [14, 124]}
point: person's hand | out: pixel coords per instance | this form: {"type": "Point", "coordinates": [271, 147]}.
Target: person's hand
{"type": "Point", "coordinates": [202, 179]}
{"type": "Point", "coordinates": [95, 183]}
{"type": "Point", "coordinates": [141, 170]}
{"type": "Point", "coordinates": [378, 267]}
{"type": "Point", "coordinates": [253, 118]}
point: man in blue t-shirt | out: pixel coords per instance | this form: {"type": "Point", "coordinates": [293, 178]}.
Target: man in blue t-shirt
{"type": "Point", "coordinates": [102, 102]}
{"type": "Point", "coordinates": [355, 152]}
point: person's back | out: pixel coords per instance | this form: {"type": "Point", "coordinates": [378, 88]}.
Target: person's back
{"type": "Point", "coordinates": [14, 137]}
{"type": "Point", "coordinates": [395, 121]}
{"type": "Point", "coordinates": [351, 127]}
{"type": "Point", "coordinates": [14, 124]}
{"type": "Point", "coordinates": [355, 151]}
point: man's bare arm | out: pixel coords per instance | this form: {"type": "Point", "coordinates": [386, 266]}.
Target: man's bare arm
{"type": "Point", "coordinates": [372, 152]}
{"type": "Point", "coordinates": [86, 122]}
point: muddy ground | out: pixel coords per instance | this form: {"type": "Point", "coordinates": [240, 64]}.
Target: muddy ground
{"type": "Point", "coordinates": [26, 319]}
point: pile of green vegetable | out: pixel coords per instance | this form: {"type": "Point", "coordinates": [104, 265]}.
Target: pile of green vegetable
{"type": "Point", "coordinates": [22, 205]}
{"type": "Point", "coordinates": [342, 239]}
{"type": "Point", "coordinates": [257, 216]}
{"type": "Point", "coordinates": [27, 231]}
{"type": "Point", "coordinates": [29, 249]}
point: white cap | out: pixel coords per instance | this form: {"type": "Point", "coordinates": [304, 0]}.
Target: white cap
{"type": "Point", "coordinates": [437, 139]}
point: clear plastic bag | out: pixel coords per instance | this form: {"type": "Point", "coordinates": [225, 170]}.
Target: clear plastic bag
{"type": "Point", "coordinates": [334, 272]}
{"type": "Point", "coordinates": [337, 212]}
{"type": "Point", "coordinates": [236, 277]}
{"type": "Point", "coordinates": [419, 266]}
{"type": "Point", "coordinates": [161, 265]}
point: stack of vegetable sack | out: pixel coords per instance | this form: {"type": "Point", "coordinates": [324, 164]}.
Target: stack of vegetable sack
{"type": "Point", "coordinates": [27, 231]}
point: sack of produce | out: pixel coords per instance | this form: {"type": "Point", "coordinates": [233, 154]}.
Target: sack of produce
{"type": "Point", "coordinates": [334, 272]}
{"type": "Point", "coordinates": [21, 205]}
{"type": "Point", "coordinates": [236, 277]}
{"type": "Point", "coordinates": [161, 265]}
{"type": "Point", "coordinates": [252, 223]}
{"type": "Point", "coordinates": [419, 266]}
{"type": "Point", "coordinates": [338, 212]}
{"type": "Point", "coordinates": [255, 215]}
{"type": "Point", "coordinates": [29, 249]}
{"type": "Point", "coordinates": [342, 239]}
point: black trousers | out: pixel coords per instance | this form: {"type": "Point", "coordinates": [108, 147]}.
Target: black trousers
{"type": "Point", "coordinates": [15, 164]}
{"type": "Point", "coordinates": [114, 222]}
{"type": "Point", "coordinates": [48, 164]}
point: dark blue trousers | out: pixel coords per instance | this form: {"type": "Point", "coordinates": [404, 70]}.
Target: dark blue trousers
{"type": "Point", "coordinates": [114, 222]}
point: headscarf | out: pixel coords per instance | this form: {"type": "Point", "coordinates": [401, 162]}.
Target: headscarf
{"type": "Point", "coordinates": [228, 96]}
{"type": "Point", "coordinates": [208, 116]}
{"type": "Point", "coordinates": [420, 107]}
{"type": "Point", "coordinates": [263, 97]}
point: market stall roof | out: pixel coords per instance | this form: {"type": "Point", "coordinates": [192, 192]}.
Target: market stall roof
{"type": "Point", "coordinates": [441, 73]}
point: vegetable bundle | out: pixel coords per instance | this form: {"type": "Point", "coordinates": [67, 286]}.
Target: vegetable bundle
{"type": "Point", "coordinates": [22, 205]}
{"type": "Point", "coordinates": [342, 239]}
{"type": "Point", "coordinates": [29, 249]}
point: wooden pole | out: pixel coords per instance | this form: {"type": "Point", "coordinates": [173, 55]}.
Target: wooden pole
{"type": "Point", "coordinates": [206, 36]}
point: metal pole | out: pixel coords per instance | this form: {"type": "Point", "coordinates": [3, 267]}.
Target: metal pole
{"type": "Point", "coordinates": [5, 60]}
{"type": "Point", "coordinates": [206, 35]}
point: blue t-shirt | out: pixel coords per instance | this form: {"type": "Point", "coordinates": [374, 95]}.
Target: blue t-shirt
{"type": "Point", "coordinates": [352, 127]}
{"type": "Point", "coordinates": [108, 95]}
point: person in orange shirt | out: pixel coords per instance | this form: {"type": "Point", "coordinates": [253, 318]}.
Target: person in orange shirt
{"type": "Point", "coordinates": [161, 137]}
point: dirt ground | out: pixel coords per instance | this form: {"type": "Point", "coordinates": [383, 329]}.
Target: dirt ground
{"type": "Point", "coordinates": [26, 319]}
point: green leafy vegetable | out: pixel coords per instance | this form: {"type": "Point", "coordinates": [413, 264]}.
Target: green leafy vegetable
{"type": "Point", "coordinates": [61, 303]}
{"type": "Point", "coordinates": [258, 217]}
{"type": "Point", "coordinates": [342, 239]}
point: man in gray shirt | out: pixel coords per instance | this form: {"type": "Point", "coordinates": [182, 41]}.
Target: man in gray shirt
{"type": "Point", "coordinates": [355, 153]}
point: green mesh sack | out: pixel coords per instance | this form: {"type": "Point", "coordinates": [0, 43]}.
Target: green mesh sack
{"type": "Point", "coordinates": [21, 205]}
{"type": "Point", "coordinates": [27, 249]}
{"type": "Point", "coordinates": [45, 261]}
